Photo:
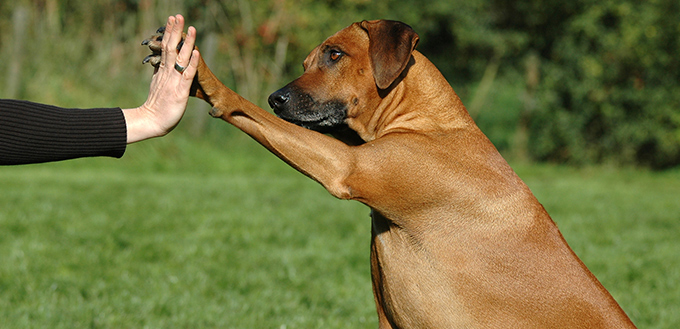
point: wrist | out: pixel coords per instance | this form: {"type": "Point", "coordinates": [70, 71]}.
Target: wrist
{"type": "Point", "coordinates": [139, 125]}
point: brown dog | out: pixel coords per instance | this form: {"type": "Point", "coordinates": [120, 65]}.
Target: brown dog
{"type": "Point", "coordinates": [459, 241]}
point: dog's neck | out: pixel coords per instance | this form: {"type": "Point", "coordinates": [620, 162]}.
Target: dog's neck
{"type": "Point", "coordinates": [403, 107]}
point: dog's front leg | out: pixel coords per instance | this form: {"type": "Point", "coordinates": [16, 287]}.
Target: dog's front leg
{"type": "Point", "coordinates": [322, 158]}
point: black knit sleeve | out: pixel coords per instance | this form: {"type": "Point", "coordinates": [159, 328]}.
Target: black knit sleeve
{"type": "Point", "coordinates": [33, 133]}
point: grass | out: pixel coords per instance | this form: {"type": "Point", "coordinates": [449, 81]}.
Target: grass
{"type": "Point", "coordinates": [221, 234]}
{"type": "Point", "coordinates": [625, 225]}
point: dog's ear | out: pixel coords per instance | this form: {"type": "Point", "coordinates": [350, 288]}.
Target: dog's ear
{"type": "Point", "coordinates": [390, 46]}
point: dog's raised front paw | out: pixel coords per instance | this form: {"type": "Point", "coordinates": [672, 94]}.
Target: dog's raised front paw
{"type": "Point", "coordinates": [154, 43]}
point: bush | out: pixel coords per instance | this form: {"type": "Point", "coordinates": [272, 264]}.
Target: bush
{"type": "Point", "coordinates": [609, 91]}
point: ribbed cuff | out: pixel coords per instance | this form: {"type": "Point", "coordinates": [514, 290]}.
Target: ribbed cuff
{"type": "Point", "coordinates": [34, 133]}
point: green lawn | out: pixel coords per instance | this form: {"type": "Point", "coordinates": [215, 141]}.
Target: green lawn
{"type": "Point", "coordinates": [182, 234]}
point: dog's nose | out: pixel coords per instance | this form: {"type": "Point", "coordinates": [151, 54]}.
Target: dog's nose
{"type": "Point", "coordinates": [278, 99]}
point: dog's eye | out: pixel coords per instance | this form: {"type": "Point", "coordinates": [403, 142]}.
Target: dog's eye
{"type": "Point", "coordinates": [335, 55]}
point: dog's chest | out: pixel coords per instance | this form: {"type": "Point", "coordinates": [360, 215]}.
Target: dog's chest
{"type": "Point", "coordinates": [408, 283]}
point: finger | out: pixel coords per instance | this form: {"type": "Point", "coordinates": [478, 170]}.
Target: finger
{"type": "Point", "coordinates": [174, 38]}
{"type": "Point", "coordinates": [192, 67]}
{"type": "Point", "coordinates": [169, 25]}
{"type": "Point", "coordinates": [187, 48]}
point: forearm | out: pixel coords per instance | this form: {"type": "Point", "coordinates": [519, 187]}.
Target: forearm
{"type": "Point", "coordinates": [33, 133]}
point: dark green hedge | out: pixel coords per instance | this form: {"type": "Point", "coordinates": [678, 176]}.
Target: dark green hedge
{"type": "Point", "coordinates": [609, 89]}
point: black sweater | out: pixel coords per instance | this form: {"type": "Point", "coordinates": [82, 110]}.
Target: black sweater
{"type": "Point", "coordinates": [33, 133]}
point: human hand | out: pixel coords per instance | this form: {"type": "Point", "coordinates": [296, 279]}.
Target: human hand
{"type": "Point", "coordinates": [169, 91]}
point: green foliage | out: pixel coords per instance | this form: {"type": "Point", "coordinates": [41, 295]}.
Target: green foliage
{"type": "Point", "coordinates": [609, 91]}
{"type": "Point", "coordinates": [577, 82]}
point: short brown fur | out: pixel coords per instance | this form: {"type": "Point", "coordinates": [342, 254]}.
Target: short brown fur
{"type": "Point", "coordinates": [459, 241]}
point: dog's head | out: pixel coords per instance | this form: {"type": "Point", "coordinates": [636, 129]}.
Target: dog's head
{"type": "Point", "coordinates": [346, 74]}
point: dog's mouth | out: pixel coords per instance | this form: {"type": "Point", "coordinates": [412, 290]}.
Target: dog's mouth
{"type": "Point", "coordinates": [303, 110]}
{"type": "Point", "coordinates": [324, 121]}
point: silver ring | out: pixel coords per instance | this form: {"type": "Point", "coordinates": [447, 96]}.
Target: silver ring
{"type": "Point", "coordinates": [179, 68]}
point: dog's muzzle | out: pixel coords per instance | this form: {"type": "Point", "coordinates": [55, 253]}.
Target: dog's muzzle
{"type": "Point", "coordinates": [302, 109]}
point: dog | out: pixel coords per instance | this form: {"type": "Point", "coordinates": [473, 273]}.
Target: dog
{"type": "Point", "coordinates": [458, 240]}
